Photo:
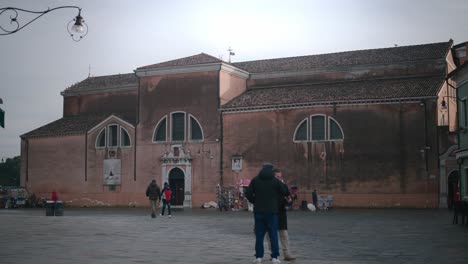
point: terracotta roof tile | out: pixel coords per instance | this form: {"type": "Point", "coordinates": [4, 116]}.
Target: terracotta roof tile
{"type": "Point", "coordinates": [71, 125]}
{"type": "Point", "coordinates": [201, 58]}
{"type": "Point", "coordinates": [104, 83]}
{"type": "Point", "coordinates": [339, 91]}
{"type": "Point", "coordinates": [348, 58]}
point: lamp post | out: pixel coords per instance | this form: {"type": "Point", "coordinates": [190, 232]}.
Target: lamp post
{"type": "Point", "coordinates": [77, 27]}
{"type": "Point", "coordinates": [443, 106]}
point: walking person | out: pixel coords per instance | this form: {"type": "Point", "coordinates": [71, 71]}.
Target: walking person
{"type": "Point", "coordinates": [153, 193]}
{"type": "Point", "coordinates": [264, 192]}
{"type": "Point", "coordinates": [283, 218]}
{"type": "Point", "coordinates": [315, 200]}
{"type": "Point", "coordinates": [166, 198]}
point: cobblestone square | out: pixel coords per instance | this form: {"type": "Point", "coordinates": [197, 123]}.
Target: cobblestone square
{"type": "Point", "coordinates": [110, 235]}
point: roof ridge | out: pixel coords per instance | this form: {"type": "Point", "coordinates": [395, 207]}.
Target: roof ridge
{"type": "Point", "coordinates": [181, 59]}
{"type": "Point", "coordinates": [343, 52]}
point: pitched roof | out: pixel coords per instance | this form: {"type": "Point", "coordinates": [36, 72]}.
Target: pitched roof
{"type": "Point", "coordinates": [380, 89]}
{"type": "Point", "coordinates": [201, 58]}
{"type": "Point", "coordinates": [104, 83]}
{"type": "Point", "coordinates": [348, 58]}
{"type": "Point", "coordinates": [72, 125]}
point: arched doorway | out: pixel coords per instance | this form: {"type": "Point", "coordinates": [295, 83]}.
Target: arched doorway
{"type": "Point", "coordinates": [453, 189]}
{"type": "Point", "coordinates": [177, 183]}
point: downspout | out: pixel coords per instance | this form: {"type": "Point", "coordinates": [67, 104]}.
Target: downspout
{"type": "Point", "coordinates": [135, 131]}
{"type": "Point", "coordinates": [221, 140]}
{"type": "Point", "coordinates": [27, 160]}
{"type": "Point", "coordinates": [86, 156]}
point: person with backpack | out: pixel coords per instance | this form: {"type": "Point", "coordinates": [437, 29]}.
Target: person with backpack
{"type": "Point", "coordinates": [153, 193]}
{"type": "Point", "coordinates": [166, 198]}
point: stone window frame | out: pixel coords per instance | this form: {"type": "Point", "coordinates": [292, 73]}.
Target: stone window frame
{"type": "Point", "coordinates": [103, 130]}
{"type": "Point", "coordinates": [171, 124]}
{"type": "Point", "coordinates": [311, 128]}
{"type": "Point", "coordinates": [297, 129]}
{"type": "Point", "coordinates": [153, 139]}
{"type": "Point", "coordinates": [109, 130]}
{"type": "Point", "coordinates": [190, 129]}
{"type": "Point", "coordinates": [106, 143]}
{"type": "Point", "coordinates": [327, 119]}
{"type": "Point", "coordinates": [129, 138]}
{"type": "Point", "coordinates": [187, 129]}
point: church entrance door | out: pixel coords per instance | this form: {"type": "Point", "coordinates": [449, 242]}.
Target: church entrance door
{"type": "Point", "coordinates": [177, 183]}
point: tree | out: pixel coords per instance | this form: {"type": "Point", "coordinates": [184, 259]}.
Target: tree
{"type": "Point", "coordinates": [10, 171]}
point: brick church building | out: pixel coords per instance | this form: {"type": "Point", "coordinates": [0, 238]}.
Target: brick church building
{"type": "Point", "coordinates": [364, 126]}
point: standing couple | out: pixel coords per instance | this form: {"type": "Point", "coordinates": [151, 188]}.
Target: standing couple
{"type": "Point", "coordinates": [268, 193]}
{"type": "Point", "coordinates": [153, 193]}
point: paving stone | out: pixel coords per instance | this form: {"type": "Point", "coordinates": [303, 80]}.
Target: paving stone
{"type": "Point", "coordinates": [119, 235]}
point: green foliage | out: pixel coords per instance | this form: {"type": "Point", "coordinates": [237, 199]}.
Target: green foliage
{"type": "Point", "coordinates": [10, 171]}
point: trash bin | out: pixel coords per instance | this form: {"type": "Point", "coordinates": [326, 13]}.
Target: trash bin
{"type": "Point", "coordinates": [304, 205]}
{"type": "Point", "coordinates": [59, 208]}
{"type": "Point", "coordinates": [49, 206]}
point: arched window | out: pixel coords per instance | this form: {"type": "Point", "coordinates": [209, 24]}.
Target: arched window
{"type": "Point", "coordinates": [112, 132]}
{"type": "Point", "coordinates": [336, 133]}
{"type": "Point", "coordinates": [301, 131]}
{"type": "Point", "coordinates": [160, 131]}
{"type": "Point", "coordinates": [318, 128]}
{"type": "Point", "coordinates": [113, 136]}
{"type": "Point", "coordinates": [101, 139]}
{"type": "Point", "coordinates": [178, 126]}
{"type": "Point", "coordinates": [196, 132]}
{"type": "Point", "coordinates": [124, 138]}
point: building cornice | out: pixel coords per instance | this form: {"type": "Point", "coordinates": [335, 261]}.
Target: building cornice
{"type": "Point", "coordinates": [324, 103]}
{"type": "Point", "coordinates": [218, 66]}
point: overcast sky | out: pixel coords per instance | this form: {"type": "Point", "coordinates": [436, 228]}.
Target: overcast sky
{"type": "Point", "coordinates": [40, 61]}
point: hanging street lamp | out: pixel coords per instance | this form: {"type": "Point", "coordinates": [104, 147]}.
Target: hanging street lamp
{"type": "Point", "coordinates": [77, 28]}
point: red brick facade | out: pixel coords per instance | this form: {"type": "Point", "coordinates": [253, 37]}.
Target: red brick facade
{"type": "Point", "coordinates": [385, 109]}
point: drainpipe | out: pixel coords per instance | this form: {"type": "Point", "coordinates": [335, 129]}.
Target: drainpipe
{"type": "Point", "coordinates": [86, 156]}
{"type": "Point", "coordinates": [135, 131]}
{"type": "Point", "coordinates": [221, 135]}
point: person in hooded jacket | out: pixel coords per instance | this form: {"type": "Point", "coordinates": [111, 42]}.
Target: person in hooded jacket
{"type": "Point", "coordinates": [153, 193]}
{"type": "Point", "coordinates": [265, 191]}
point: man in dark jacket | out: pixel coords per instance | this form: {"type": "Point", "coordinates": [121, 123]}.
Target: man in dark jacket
{"type": "Point", "coordinates": [153, 193]}
{"type": "Point", "coordinates": [265, 192]}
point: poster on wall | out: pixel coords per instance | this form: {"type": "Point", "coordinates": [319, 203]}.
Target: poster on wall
{"type": "Point", "coordinates": [112, 172]}
{"type": "Point", "coordinates": [237, 163]}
